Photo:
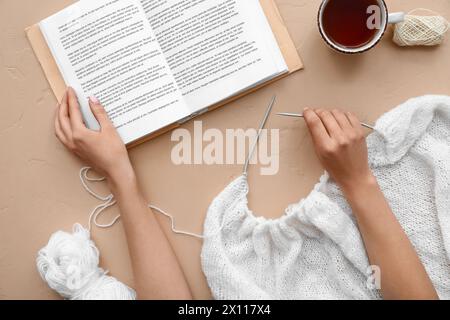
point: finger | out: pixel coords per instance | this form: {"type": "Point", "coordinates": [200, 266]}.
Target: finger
{"type": "Point", "coordinates": [58, 131]}
{"type": "Point", "coordinates": [99, 112]}
{"type": "Point", "coordinates": [76, 119]}
{"type": "Point", "coordinates": [63, 118]}
{"type": "Point", "coordinates": [354, 121]}
{"type": "Point", "coordinates": [330, 123]}
{"type": "Point", "coordinates": [342, 120]}
{"type": "Point", "coordinates": [316, 128]}
{"type": "Point", "coordinates": [64, 101]}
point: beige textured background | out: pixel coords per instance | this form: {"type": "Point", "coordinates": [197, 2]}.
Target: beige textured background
{"type": "Point", "coordinates": [40, 191]}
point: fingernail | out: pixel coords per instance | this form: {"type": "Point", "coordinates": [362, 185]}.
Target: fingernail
{"type": "Point", "coordinates": [94, 100]}
{"type": "Point", "coordinates": [306, 109]}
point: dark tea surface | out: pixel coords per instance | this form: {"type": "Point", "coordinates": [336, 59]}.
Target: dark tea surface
{"type": "Point", "coordinates": [345, 22]}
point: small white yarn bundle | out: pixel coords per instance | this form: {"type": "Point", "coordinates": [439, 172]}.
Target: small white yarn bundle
{"type": "Point", "coordinates": [70, 265]}
{"type": "Point", "coordinates": [421, 30]}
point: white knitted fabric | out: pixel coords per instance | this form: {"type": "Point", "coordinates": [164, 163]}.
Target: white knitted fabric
{"type": "Point", "coordinates": [315, 251]}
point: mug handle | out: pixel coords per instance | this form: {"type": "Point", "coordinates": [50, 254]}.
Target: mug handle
{"type": "Point", "coordinates": [396, 17]}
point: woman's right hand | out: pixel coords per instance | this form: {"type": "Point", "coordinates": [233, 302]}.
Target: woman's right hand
{"type": "Point", "coordinates": [103, 150]}
{"type": "Point", "coordinates": [340, 145]}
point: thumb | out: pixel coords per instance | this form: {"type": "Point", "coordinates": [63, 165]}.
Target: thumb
{"type": "Point", "coordinates": [99, 112]}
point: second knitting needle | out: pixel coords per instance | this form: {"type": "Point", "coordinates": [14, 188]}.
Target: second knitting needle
{"type": "Point", "coordinates": [296, 115]}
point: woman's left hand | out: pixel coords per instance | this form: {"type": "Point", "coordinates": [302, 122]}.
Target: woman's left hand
{"type": "Point", "coordinates": [104, 150]}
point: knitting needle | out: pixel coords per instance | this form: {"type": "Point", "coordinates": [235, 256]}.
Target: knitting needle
{"type": "Point", "coordinates": [261, 128]}
{"type": "Point", "coordinates": [296, 115]}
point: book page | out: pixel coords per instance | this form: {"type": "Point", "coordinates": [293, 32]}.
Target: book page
{"type": "Point", "coordinates": [107, 49]}
{"type": "Point", "coordinates": [215, 48]}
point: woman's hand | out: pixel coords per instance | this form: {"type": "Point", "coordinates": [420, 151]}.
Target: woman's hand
{"type": "Point", "coordinates": [103, 150]}
{"type": "Point", "coordinates": [157, 272]}
{"type": "Point", "coordinates": [340, 145]}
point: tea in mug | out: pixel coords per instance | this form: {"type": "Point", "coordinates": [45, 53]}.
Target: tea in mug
{"type": "Point", "coordinates": [345, 22]}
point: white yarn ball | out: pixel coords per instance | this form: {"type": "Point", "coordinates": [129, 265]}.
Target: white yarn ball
{"type": "Point", "coordinates": [416, 30]}
{"type": "Point", "coordinates": [69, 264]}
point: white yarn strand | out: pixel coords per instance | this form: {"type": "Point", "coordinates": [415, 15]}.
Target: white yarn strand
{"type": "Point", "coordinates": [174, 229]}
{"type": "Point", "coordinates": [108, 201]}
{"type": "Point", "coordinates": [421, 30]}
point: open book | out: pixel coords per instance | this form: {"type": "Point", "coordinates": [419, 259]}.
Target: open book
{"type": "Point", "coordinates": [156, 63]}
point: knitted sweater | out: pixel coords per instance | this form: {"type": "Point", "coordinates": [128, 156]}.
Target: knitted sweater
{"type": "Point", "coordinates": [315, 251]}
